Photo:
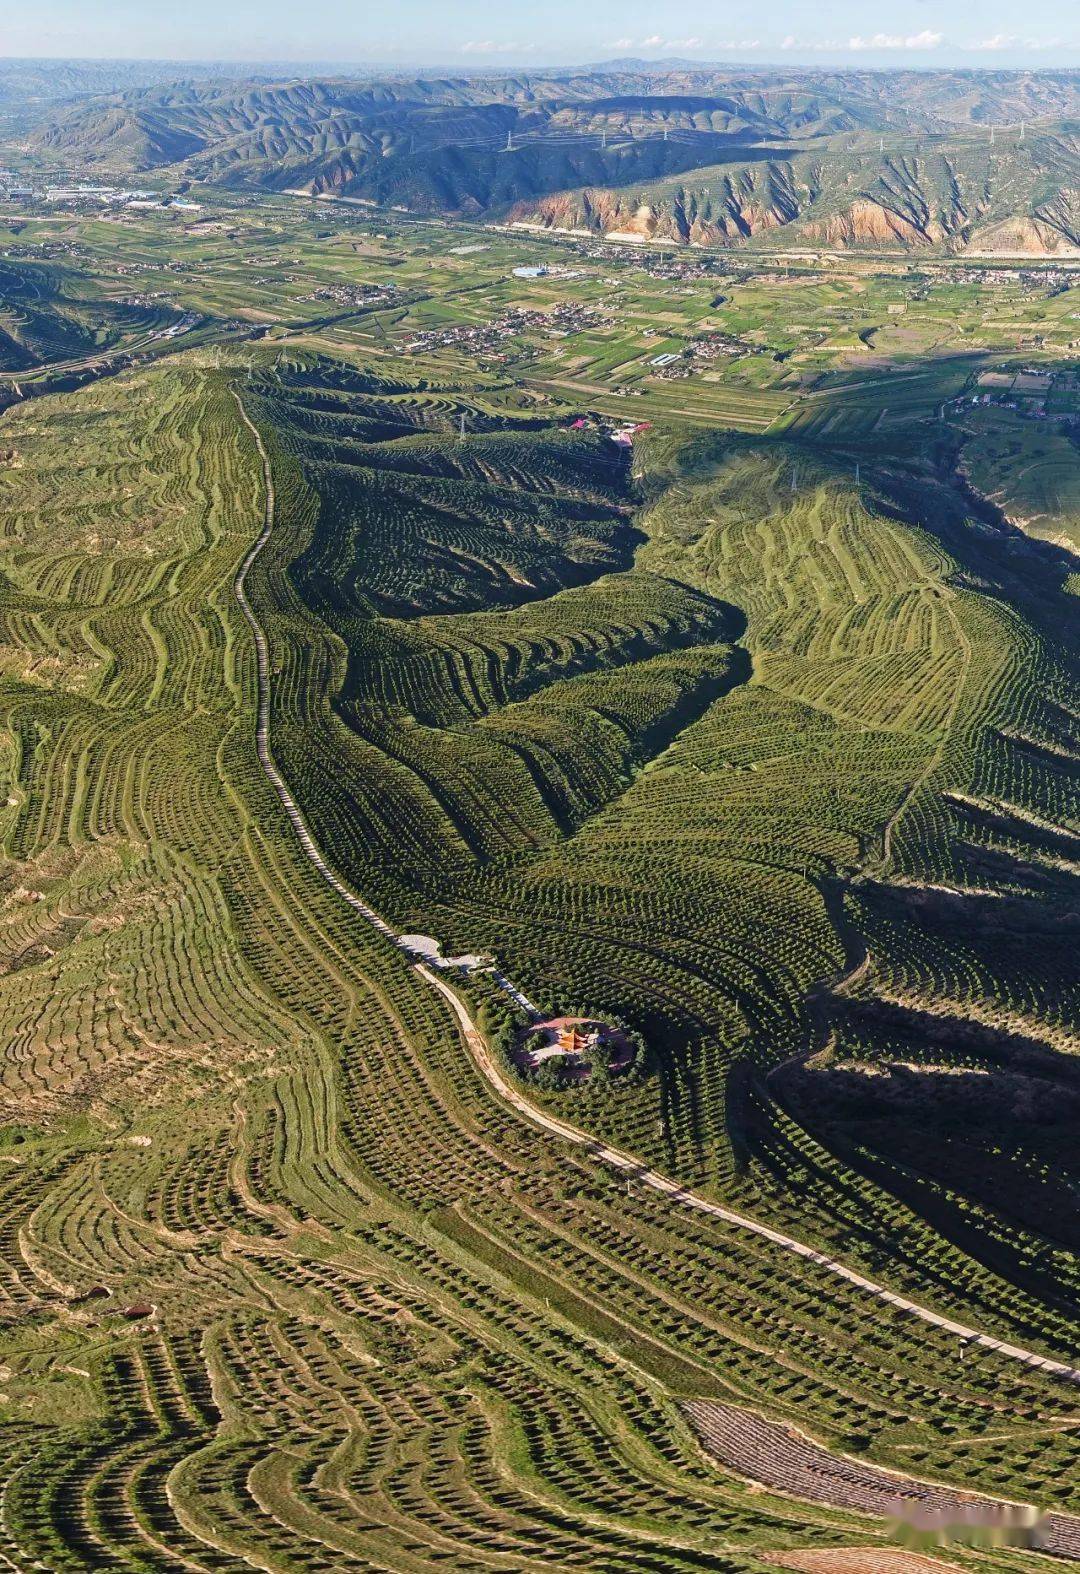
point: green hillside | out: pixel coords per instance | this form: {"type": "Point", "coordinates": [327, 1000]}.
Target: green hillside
{"type": "Point", "coordinates": [539, 840]}
{"type": "Point", "coordinates": [49, 313]}
{"type": "Point", "coordinates": [283, 1282]}
{"type": "Point", "coordinates": [700, 839]}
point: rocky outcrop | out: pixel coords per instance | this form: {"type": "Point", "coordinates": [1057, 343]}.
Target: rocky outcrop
{"type": "Point", "coordinates": [907, 203]}
{"type": "Point", "coordinates": [721, 219]}
{"type": "Point", "coordinates": [1023, 237]}
{"type": "Point", "coordinates": [729, 210]}
{"type": "Point", "coordinates": [870, 223]}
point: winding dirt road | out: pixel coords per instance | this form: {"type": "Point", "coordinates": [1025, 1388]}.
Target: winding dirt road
{"type": "Point", "coordinates": [262, 735]}
{"type": "Point", "coordinates": [482, 1057]}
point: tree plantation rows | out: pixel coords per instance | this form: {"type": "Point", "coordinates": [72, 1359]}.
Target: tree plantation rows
{"type": "Point", "coordinates": [284, 1284]}
{"type": "Point", "coordinates": [476, 791]}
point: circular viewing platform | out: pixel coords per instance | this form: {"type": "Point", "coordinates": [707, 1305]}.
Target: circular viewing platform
{"type": "Point", "coordinates": [574, 1044]}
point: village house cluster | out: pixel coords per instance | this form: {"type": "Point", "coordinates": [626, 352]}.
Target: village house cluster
{"type": "Point", "coordinates": [708, 347]}
{"type": "Point", "coordinates": [492, 338]}
{"type": "Point", "coordinates": [355, 295]}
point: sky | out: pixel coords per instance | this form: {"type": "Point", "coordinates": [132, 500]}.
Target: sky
{"type": "Point", "coordinates": [474, 34]}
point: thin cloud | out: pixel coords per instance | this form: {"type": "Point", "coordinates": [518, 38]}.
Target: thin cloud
{"type": "Point", "coordinates": [488, 46]}
{"type": "Point", "coordinates": [1001, 41]}
{"type": "Point", "coordinates": [828, 45]}
{"type": "Point", "coordinates": [923, 40]}
{"type": "Point", "coordinates": [656, 41]}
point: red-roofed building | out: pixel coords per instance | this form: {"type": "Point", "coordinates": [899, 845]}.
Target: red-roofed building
{"type": "Point", "coordinates": [571, 1042]}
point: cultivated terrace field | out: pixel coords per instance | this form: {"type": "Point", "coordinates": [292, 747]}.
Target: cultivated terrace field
{"type": "Point", "coordinates": [682, 642]}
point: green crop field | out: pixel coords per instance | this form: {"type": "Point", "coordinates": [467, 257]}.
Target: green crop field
{"type": "Point", "coordinates": [1029, 468]}
{"type": "Point", "coordinates": [338, 617]}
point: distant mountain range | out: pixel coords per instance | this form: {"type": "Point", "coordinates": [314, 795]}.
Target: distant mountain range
{"type": "Point", "coordinates": [1013, 197]}
{"type": "Point", "coordinates": [28, 80]}
{"type": "Point", "coordinates": [679, 154]}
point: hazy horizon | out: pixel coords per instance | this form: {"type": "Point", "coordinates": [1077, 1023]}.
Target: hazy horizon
{"type": "Point", "coordinates": [472, 34]}
{"type": "Point", "coordinates": [778, 62]}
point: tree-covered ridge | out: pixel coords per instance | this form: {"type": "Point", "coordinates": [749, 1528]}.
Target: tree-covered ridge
{"type": "Point", "coordinates": [880, 775]}
{"type": "Point", "coordinates": [282, 1283]}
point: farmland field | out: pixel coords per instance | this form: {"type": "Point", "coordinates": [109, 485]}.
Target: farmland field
{"type": "Point", "coordinates": [1030, 471]}
{"type": "Point", "coordinates": [339, 616]}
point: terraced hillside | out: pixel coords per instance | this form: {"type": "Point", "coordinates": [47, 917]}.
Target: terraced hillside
{"type": "Point", "coordinates": [701, 852]}
{"type": "Point", "coordinates": [48, 316]}
{"type": "Point", "coordinates": [1033, 480]}
{"type": "Point", "coordinates": [284, 1284]}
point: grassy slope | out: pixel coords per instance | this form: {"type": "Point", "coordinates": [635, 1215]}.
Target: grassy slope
{"type": "Point", "coordinates": [48, 314]}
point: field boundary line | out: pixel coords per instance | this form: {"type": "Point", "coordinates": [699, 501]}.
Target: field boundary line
{"type": "Point", "coordinates": [938, 757]}
{"type": "Point", "coordinates": [480, 1053]}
